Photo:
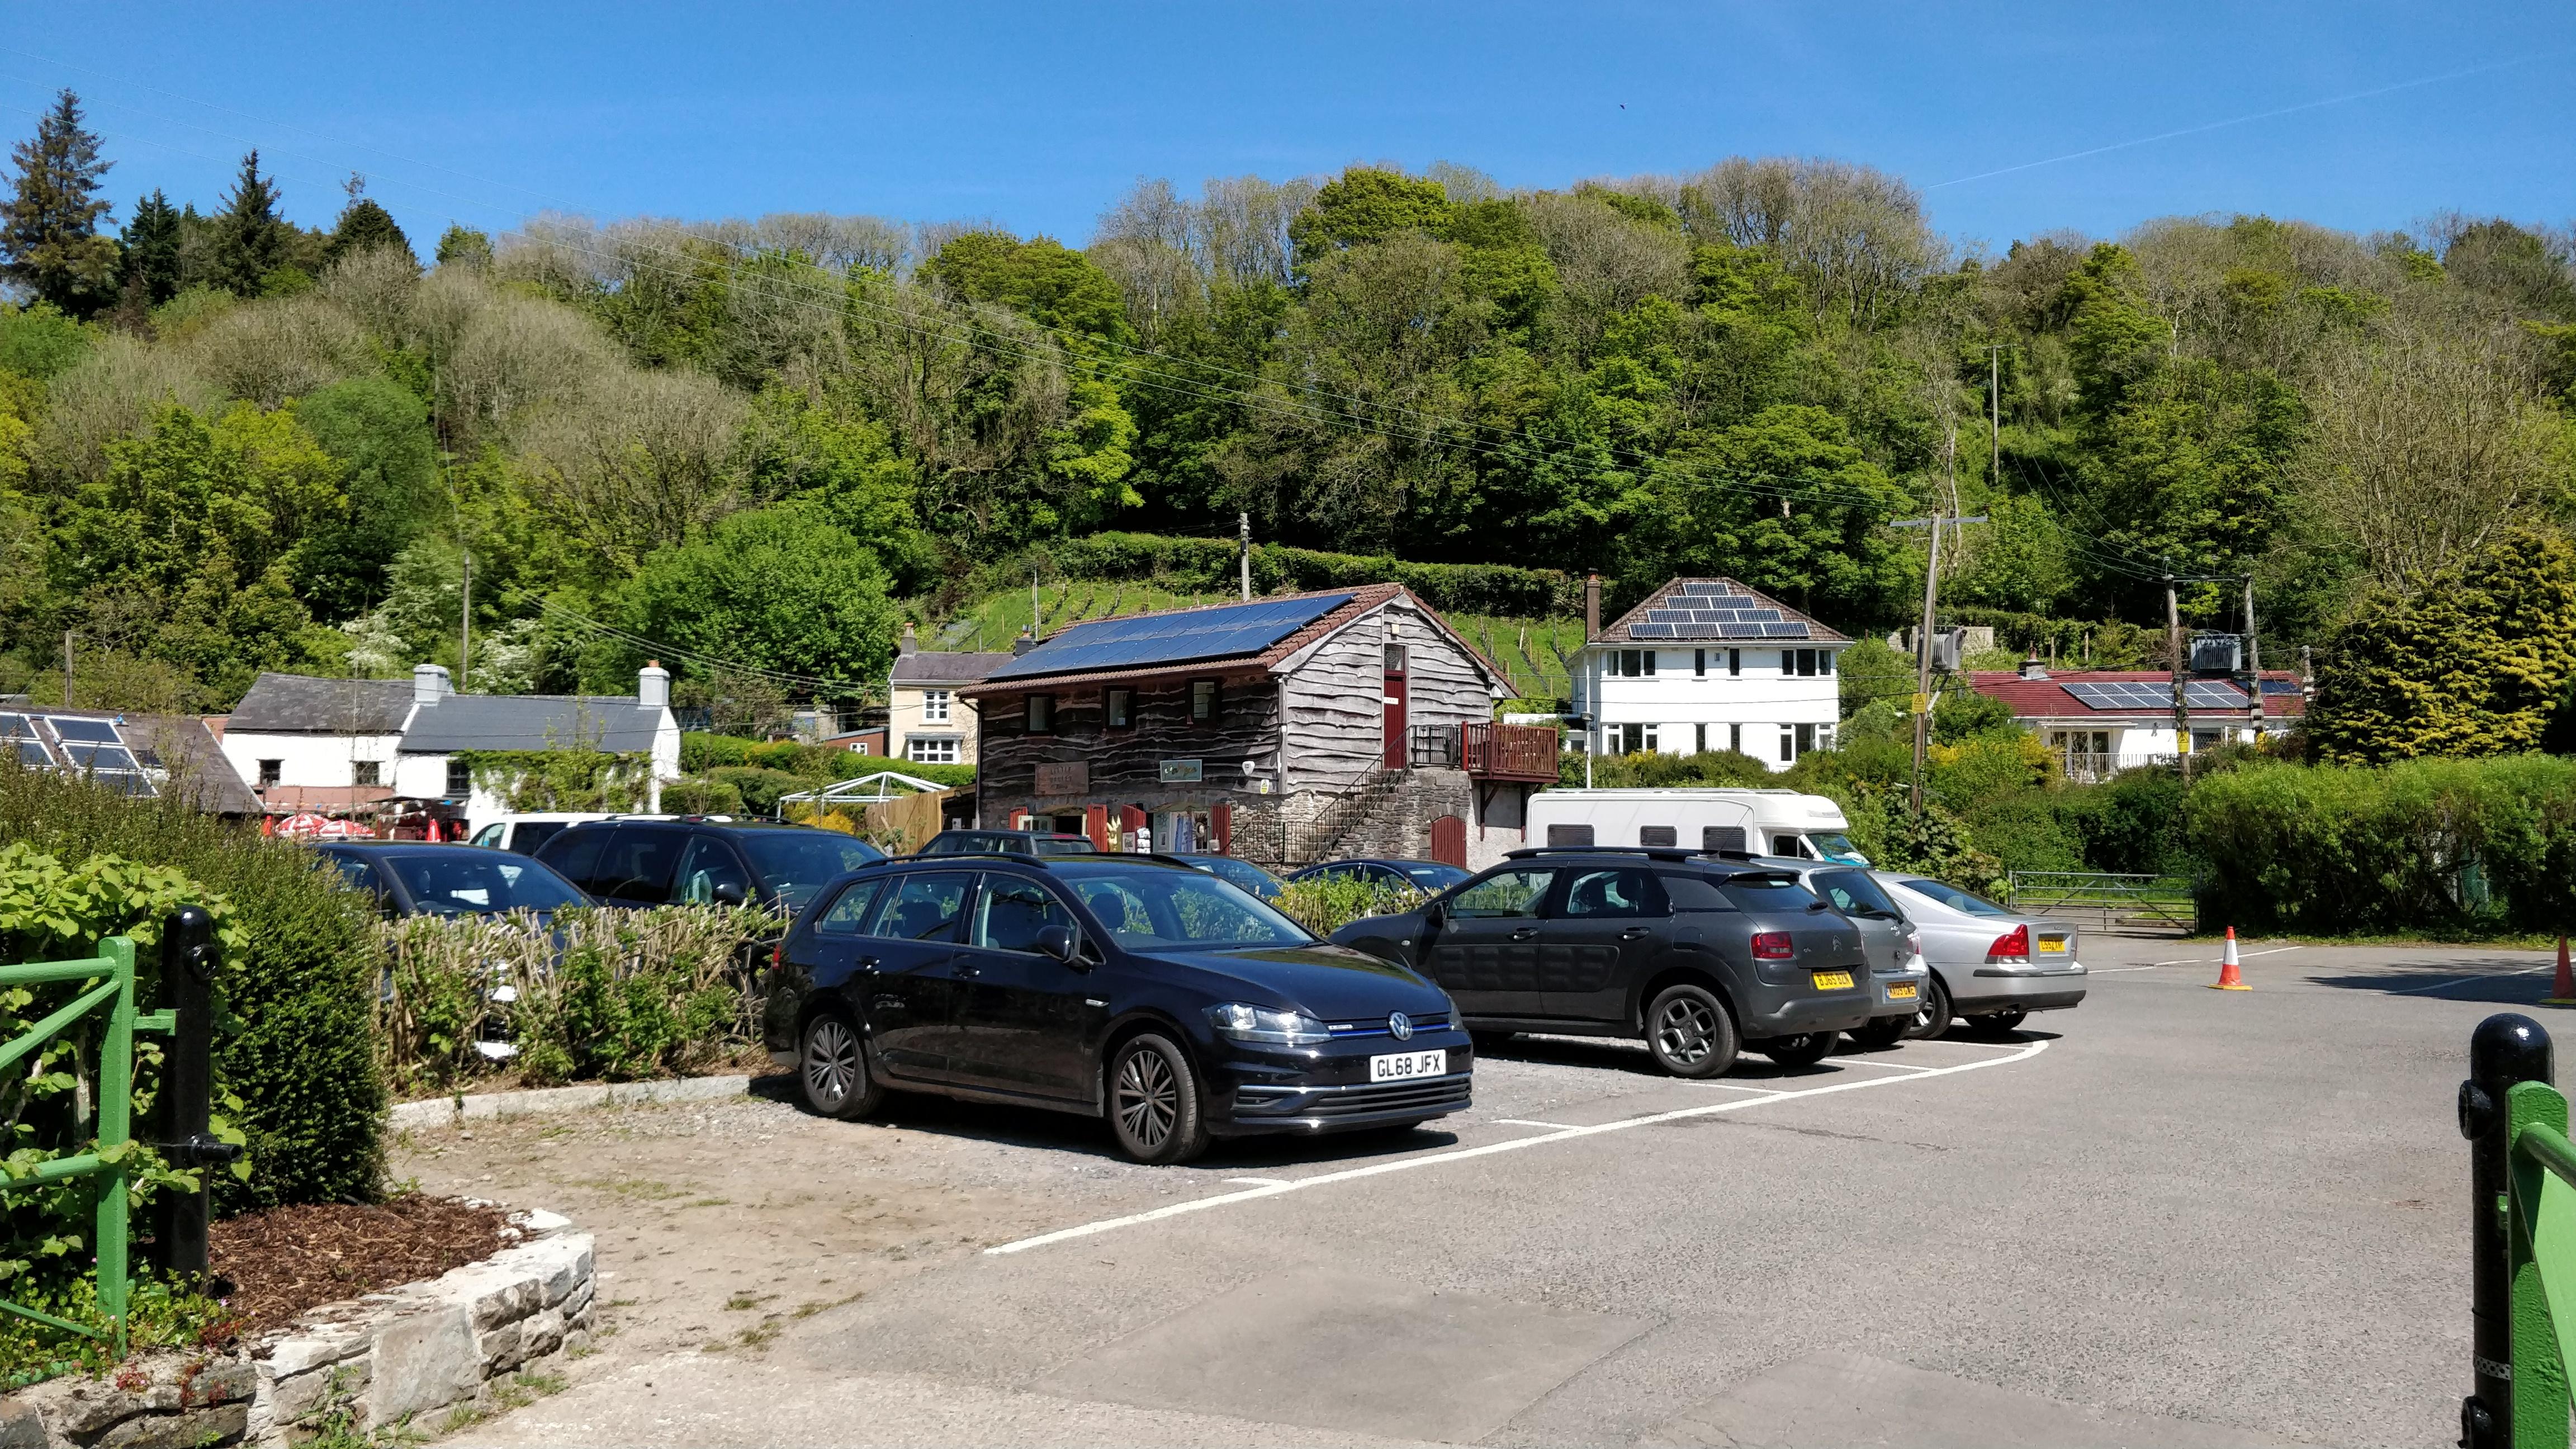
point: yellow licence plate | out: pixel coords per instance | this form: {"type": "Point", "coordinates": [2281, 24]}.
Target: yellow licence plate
{"type": "Point", "coordinates": [2053, 943]}
{"type": "Point", "coordinates": [1902, 991]}
{"type": "Point", "coordinates": [1833, 981]}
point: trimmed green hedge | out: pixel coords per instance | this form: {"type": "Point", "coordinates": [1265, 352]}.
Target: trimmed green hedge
{"type": "Point", "coordinates": [2448, 845]}
{"type": "Point", "coordinates": [1209, 563]}
{"type": "Point", "coordinates": [297, 1049]}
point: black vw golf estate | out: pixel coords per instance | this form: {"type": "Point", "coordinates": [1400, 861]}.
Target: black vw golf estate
{"type": "Point", "coordinates": [1121, 986]}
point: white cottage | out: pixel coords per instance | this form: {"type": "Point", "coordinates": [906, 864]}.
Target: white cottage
{"type": "Point", "coordinates": [342, 744]}
{"type": "Point", "coordinates": [1707, 664]}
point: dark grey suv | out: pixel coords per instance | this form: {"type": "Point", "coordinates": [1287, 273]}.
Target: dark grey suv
{"type": "Point", "coordinates": [1698, 955]}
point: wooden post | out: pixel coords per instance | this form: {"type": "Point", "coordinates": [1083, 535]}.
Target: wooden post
{"type": "Point", "coordinates": [2181, 698]}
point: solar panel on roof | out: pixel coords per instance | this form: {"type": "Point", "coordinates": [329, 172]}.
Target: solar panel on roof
{"type": "Point", "coordinates": [2281, 686]}
{"type": "Point", "coordinates": [98, 731]}
{"type": "Point", "coordinates": [1654, 631]}
{"type": "Point", "coordinates": [1171, 638]}
{"type": "Point", "coordinates": [2212, 694]}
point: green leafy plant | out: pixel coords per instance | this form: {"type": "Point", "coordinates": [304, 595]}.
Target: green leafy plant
{"type": "Point", "coordinates": [1325, 904]}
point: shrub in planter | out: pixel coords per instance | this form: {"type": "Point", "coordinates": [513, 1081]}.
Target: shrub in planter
{"type": "Point", "coordinates": [1325, 904]}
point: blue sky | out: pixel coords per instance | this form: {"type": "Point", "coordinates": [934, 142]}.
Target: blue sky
{"type": "Point", "coordinates": [1038, 116]}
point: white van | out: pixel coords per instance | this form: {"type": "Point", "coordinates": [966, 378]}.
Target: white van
{"type": "Point", "coordinates": [1761, 822]}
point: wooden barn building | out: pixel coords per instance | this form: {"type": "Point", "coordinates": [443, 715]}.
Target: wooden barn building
{"type": "Point", "coordinates": [1284, 730]}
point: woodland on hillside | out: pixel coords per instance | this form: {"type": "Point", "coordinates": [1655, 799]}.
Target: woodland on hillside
{"type": "Point", "coordinates": [229, 442]}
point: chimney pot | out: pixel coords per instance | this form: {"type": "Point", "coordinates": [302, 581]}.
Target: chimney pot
{"type": "Point", "coordinates": [653, 685]}
{"type": "Point", "coordinates": [429, 683]}
{"type": "Point", "coordinates": [2032, 668]}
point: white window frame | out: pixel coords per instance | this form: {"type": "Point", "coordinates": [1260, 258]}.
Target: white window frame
{"type": "Point", "coordinates": [934, 706]}
{"type": "Point", "coordinates": [934, 749]}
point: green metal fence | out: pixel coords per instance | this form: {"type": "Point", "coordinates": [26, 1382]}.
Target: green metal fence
{"type": "Point", "coordinates": [108, 1161]}
{"type": "Point", "coordinates": [2132, 899]}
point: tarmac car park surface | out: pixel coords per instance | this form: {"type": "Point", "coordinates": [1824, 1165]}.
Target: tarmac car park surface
{"type": "Point", "coordinates": [2172, 1216]}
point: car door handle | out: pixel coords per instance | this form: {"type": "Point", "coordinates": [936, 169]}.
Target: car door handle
{"type": "Point", "coordinates": [1634, 933]}
{"type": "Point", "coordinates": [867, 965]}
{"type": "Point", "coordinates": [1525, 933]}
{"type": "Point", "coordinates": [968, 972]}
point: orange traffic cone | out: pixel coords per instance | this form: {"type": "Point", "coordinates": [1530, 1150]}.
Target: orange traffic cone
{"type": "Point", "coordinates": [2563, 993]}
{"type": "Point", "coordinates": [2228, 978]}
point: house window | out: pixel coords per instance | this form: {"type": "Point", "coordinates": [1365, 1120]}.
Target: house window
{"type": "Point", "coordinates": [1699, 738]}
{"type": "Point", "coordinates": [1041, 714]}
{"type": "Point", "coordinates": [932, 749]}
{"type": "Point", "coordinates": [1806, 738]}
{"type": "Point", "coordinates": [1807, 663]}
{"type": "Point", "coordinates": [1735, 738]}
{"type": "Point", "coordinates": [1634, 664]}
{"type": "Point", "coordinates": [934, 706]}
{"type": "Point", "coordinates": [1395, 659]}
{"type": "Point", "coordinates": [369, 772]}
{"type": "Point", "coordinates": [1734, 661]}
{"type": "Point", "coordinates": [1119, 706]}
{"type": "Point", "coordinates": [460, 779]}
{"type": "Point", "coordinates": [1788, 661]}
{"type": "Point", "coordinates": [1824, 661]}
{"type": "Point", "coordinates": [1788, 746]}
{"type": "Point", "coordinates": [270, 772]}
{"type": "Point", "coordinates": [1632, 738]}
{"type": "Point", "coordinates": [1699, 663]}
{"type": "Point", "coordinates": [1202, 701]}
{"type": "Point", "coordinates": [1652, 742]}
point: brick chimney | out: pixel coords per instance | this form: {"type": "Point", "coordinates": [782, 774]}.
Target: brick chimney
{"type": "Point", "coordinates": [910, 643]}
{"type": "Point", "coordinates": [1591, 607]}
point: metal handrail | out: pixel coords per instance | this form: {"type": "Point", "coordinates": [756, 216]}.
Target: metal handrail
{"type": "Point", "coordinates": [115, 961]}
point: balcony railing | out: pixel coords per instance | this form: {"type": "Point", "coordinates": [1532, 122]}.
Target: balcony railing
{"type": "Point", "coordinates": [1511, 752]}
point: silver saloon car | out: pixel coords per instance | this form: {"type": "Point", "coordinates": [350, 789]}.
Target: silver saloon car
{"type": "Point", "coordinates": [1990, 966]}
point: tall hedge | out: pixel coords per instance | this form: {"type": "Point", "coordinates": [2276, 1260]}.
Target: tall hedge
{"type": "Point", "coordinates": [2438, 844]}
{"type": "Point", "coordinates": [299, 1050]}
{"type": "Point", "coordinates": [1213, 563]}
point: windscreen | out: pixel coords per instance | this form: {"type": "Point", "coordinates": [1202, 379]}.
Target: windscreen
{"type": "Point", "coordinates": [1152, 908]}
{"type": "Point", "coordinates": [797, 863]}
{"type": "Point", "coordinates": [1778, 893]}
{"type": "Point", "coordinates": [1064, 845]}
{"type": "Point", "coordinates": [460, 884]}
{"type": "Point", "coordinates": [1243, 873]}
{"type": "Point", "coordinates": [1955, 898]}
{"type": "Point", "coordinates": [1836, 846]}
{"type": "Point", "coordinates": [1433, 877]}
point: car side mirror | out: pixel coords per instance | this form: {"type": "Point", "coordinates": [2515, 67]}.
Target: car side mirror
{"type": "Point", "coordinates": [729, 893]}
{"type": "Point", "coordinates": [1820, 904]}
{"type": "Point", "coordinates": [1434, 916]}
{"type": "Point", "coordinates": [1058, 942]}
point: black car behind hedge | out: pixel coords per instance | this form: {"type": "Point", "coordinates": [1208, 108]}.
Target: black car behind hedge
{"type": "Point", "coordinates": [1128, 987]}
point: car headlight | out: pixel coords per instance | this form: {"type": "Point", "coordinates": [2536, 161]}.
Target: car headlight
{"type": "Point", "coordinates": [1240, 1022]}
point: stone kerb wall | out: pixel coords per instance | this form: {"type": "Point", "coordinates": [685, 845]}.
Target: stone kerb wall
{"type": "Point", "coordinates": [410, 1354]}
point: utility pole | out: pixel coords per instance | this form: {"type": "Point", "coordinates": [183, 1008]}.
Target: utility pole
{"type": "Point", "coordinates": [67, 669]}
{"type": "Point", "coordinates": [1995, 411]}
{"type": "Point", "coordinates": [1033, 605]}
{"type": "Point", "coordinates": [1923, 641]}
{"type": "Point", "coordinates": [2181, 699]}
{"type": "Point", "coordinates": [465, 632]}
{"type": "Point", "coordinates": [2253, 666]}
{"type": "Point", "coordinates": [1243, 530]}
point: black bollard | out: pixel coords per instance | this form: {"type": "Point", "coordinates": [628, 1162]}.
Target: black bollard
{"type": "Point", "coordinates": [2506, 1048]}
{"type": "Point", "coordinates": [187, 1087]}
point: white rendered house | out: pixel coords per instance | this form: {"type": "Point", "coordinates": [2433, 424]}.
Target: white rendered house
{"type": "Point", "coordinates": [1707, 664]}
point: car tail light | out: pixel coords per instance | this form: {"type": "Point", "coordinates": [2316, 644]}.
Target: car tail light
{"type": "Point", "coordinates": [1913, 944]}
{"type": "Point", "coordinates": [1772, 946]}
{"type": "Point", "coordinates": [2012, 943]}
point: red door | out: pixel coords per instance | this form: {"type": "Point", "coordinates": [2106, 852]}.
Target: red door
{"type": "Point", "coordinates": [1395, 751]}
{"type": "Point", "coordinates": [1449, 841]}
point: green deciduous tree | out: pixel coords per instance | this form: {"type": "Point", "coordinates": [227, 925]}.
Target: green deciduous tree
{"type": "Point", "coordinates": [2477, 661]}
{"type": "Point", "coordinates": [1365, 204]}
{"type": "Point", "coordinates": [776, 589]}
{"type": "Point", "coordinates": [49, 237]}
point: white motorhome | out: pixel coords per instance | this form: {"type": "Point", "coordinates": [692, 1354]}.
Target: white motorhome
{"type": "Point", "coordinates": [1763, 822]}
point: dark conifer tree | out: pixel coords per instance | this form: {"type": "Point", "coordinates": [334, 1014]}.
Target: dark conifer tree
{"type": "Point", "coordinates": [151, 245]}
{"type": "Point", "coordinates": [251, 239]}
{"type": "Point", "coordinates": [49, 237]}
{"type": "Point", "coordinates": [363, 227]}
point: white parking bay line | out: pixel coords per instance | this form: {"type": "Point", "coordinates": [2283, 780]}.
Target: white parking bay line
{"type": "Point", "coordinates": [1897, 1066]}
{"type": "Point", "coordinates": [2464, 980]}
{"type": "Point", "coordinates": [1261, 1181]}
{"type": "Point", "coordinates": [1517, 1144]}
{"type": "Point", "coordinates": [1506, 1122]}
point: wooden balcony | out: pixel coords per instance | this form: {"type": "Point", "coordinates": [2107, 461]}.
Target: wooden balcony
{"type": "Point", "coordinates": [1511, 752]}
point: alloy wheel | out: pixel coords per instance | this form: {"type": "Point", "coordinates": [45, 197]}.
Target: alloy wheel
{"type": "Point", "coordinates": [831, 1063]}
{"type": "Point", "coordinates": [1684, 1030]}
{"type": "Point", "coordinates": [1149, 1100]}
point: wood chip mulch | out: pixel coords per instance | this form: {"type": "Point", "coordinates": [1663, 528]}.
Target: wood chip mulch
{"type": "Point", "coordinates": [285, 1260]}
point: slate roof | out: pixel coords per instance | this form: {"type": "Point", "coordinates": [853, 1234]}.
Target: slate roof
{"type": "Point", "coordinates": [1723, 607]}
{"type": "Point", "coordinates": [299, 704]}
{"type": "Point", "coordinates": [939, 667]}
{"type": "Point", "coordinates": [1363, 599]}
{"type": "Point", "coordinates": [614, 723]}
{"type": "Point", "coordinates": [2048, 699]}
